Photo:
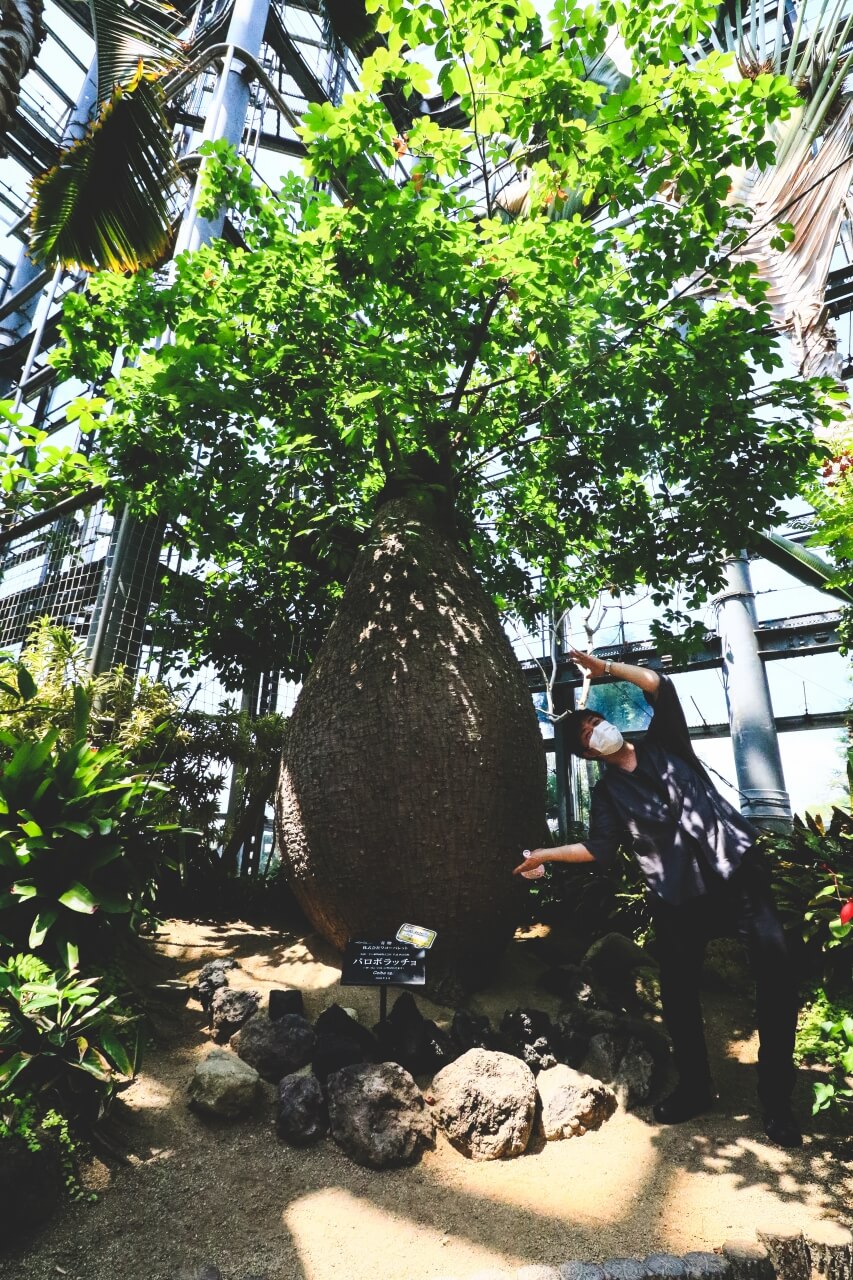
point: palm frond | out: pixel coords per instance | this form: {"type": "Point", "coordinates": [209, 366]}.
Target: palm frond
{"type": "Point", "coordinates": [802, 564]}
{"type": "Point", "coordinates": [107, 203]}
{"type": "Point", "coordinates": [126, 35]}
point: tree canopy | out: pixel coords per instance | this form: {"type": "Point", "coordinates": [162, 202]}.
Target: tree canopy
{"type": "Point", "coordinates": [582, 383]}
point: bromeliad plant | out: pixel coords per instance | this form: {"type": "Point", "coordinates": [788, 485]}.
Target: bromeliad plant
{"type": "Point", "coordinates": [62, 1040]}
{"type": "Point", "coordinates": [78, 843]}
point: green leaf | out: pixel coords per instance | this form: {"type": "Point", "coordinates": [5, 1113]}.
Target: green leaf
{"type": "Point", "coordinates": [26, 684]}
{"type": "Point", "coordinates": [78, 898]}
{"type": "Point", "coordinates": [107, 202]}
{"type": "Point", "coordinates": [802, 564]}
{"type": "Point", "coordinates": [40, 927]}
{"type": "Point", "coordinates": [12, 1068]}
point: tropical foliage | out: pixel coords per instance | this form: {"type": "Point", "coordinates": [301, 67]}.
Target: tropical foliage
{"type": "Point", "coordinates": [108, 202]}
{"type": "Point", "coordinates": [62, 1039]}
{"type": "Point", "coordinates": [556, 385]}
{"type": "Point", "coordinates": [813, 871]}
{"type": "Point", "coordinates": [76, 857]}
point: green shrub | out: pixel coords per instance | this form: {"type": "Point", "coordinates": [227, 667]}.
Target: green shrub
{"type": "Point", "coordinates": [813, 875]}
{"type": "Point", "coordinates": [825, 1037]}
{"type": "Point", "coordinates": [77, 840]}
{"type": "Point", "coordinates": [62, 1040]}
{"type": "Point", "coordinates": [813, 879]}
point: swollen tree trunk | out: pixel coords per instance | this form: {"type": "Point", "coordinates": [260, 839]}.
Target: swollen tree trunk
{"type": "Point", "coordinates": [21, 34]}
{"type": "Point", "coordinates": [414, 772]}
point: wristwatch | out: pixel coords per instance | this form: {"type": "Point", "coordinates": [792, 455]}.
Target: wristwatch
{"type": "Point", "coordinates": [607, 665]}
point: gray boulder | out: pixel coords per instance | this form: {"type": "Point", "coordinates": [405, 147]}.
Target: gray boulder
{"type": "Point", "coordinates": [707, 1266]}
{"type": "Point", "coordinates": [378, 1115]}
{"type": "Point", "coordinates": [223, 1085]}
{"type": "Point", "coordinates": [665, 1266]}
{"type": "Point", "coordinates": [625, 1063]}
{"type": "Point", "coordinates": [229, 1010]}
{"type": "Point", "coordinates": [623, 1269]}
{"type": "Point", "coordinates": [572, 1103]}
{"type": "Point", "coordinates": [486, 1103]}
{"type": "Point", "coordinates": [275, 1048]}
{"type": "Point", "coordinates": [302, 1114]}
{"type": "Point", "coordinates": [573, 1270]}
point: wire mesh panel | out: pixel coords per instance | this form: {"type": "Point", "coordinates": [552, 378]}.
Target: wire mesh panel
{"type": "Point", "coordinates": [55, 572]}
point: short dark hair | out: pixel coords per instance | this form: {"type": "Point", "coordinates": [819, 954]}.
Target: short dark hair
{"type": "Point", "coordinates": [572, 726]}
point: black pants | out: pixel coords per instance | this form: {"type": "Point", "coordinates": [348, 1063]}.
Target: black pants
{"type": "Point", "coordinates": [742, 905]}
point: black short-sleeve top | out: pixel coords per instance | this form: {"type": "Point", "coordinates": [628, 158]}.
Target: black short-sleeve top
{"type": "Point", "coordinates": [682, 832]}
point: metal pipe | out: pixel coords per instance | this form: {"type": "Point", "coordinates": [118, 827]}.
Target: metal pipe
{"type": "Point", "coordinates": [758, 762]}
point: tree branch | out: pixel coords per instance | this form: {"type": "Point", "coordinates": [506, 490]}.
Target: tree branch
{"type": "Point", "coordinates": [476, 347]}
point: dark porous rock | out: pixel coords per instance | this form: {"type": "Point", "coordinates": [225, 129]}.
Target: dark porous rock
{"type": "Point", "coordinates": [529, 1034]}
{"type": "Point", "coordinates": [572, 1103]}
{"type": "Point", "coordinates": [626, 1065]}
{"type": "Point", "coordinates": [539, 1055]}
{"type": "Point", "coordinates": [275, 1049]}
{"type": "Point", "coordinates": [336, 1021]}
{"type": "Point", "coordinates": [473, 1031]}
{"type": "Point", "coordinates": [623, 1269]}
{"type": "Point", "coordinates": [286, 1000]}
{"type": "Point", "coordinates": [707, 1266]}
{"type": "Point", "coordinates": [333, 1052]}
{"type": "Point", "coordinates": [230, 1010]}
{"type": "Point", "coordinates": [616, 963]}
{"type": "Point", "coordinates": [378, 1115]}
{"type": "Point", "coordinates": [415, 1042]}
{"type": "Point", "coordinates": [620, 1059]}
{"type": "Point", "coordinates": [664, 1266]}
{"type": "Point", "coordinates": [571, 1038]}
{"type": "Point", "coordinates": [442, 1048]}
{"type": "Point", "coordinates": [211, 977]}
{"type": "Point", "coordinates": [620, 1028]}
{"type": "Point", "coordinates": [30, 1185]}
{"type": "Point", "coordinates": [750, 1260]}
{"type": "Point", "coordinates": [486, 1103]}
{"type": "Point", "coordinates": [302, 1115]}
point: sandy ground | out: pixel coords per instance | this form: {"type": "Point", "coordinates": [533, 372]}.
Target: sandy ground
{"type": "Point", "coordinates": [199, 1192]}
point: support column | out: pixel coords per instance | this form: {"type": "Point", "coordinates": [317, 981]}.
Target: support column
{"type": "Point", "coordinates": [227, 114]}
{"type": "Point", "coordinates": [764, 796]}
{"type": "Point", "coordinates": [115, 637]}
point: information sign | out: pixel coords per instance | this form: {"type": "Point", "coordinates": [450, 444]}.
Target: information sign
{"type": "Point", "coordinates": [416, 935]}
{"type": "Point", "coordinates": [382, 963]}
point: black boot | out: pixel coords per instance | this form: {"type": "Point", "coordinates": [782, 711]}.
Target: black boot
{"type": "Point", "coordinates": [685, 1102]}
{"type": "Point", "coordinates": [780, 1125]}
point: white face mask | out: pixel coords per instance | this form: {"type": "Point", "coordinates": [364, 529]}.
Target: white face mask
{"type": "Point", "coordinates": [605, 738]}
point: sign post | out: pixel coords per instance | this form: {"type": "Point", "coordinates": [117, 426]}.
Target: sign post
{"type": "Point", "coordinates": [383, 963]}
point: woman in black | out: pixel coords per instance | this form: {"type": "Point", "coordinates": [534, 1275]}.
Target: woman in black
{"type": "Point", "coordinates": [697, 856]}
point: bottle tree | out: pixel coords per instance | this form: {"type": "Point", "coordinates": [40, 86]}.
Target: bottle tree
{"type": "Point", "coordinates": [493, 356]}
